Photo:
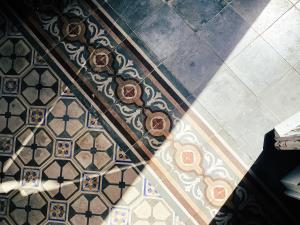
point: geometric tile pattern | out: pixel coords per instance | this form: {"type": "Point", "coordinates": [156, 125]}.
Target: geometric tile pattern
{"type": "Point", "coordinates": [39, 86]}
{"type": "Point", "coordinates": [119, 215]}
{"type": "Point", "coordinates": [29, 210]}
{"type": "Point", "coordinates": [9, 172]}
{"type": "Point", "coordinates": [118, 180]}
{"type": "Point", "coordinates": [66, 118]}
{"type": "Point", "coordinates": [58, 165]}
{"type": "Point", "coordinates": [10, 85]}
{"type": "Point", "coordinates": [151, 212]}
{"type": "Point", "coordinates": [60, 179]}
{"type": "Point", "coordinates": [93, 150]}
{"type": "Point", "coordinates": [57, 211]}
{"type": "Point", "coordinates": [6, 145]}
{"type": "Point", "coordinates": [34, 146]}
{"type": "Point", "coordinates": [12, 114]}
{"type": "Point", "coordinates": [15, 56]}
{"type": "Point", "coordinates": [31, 177]}
{"type": "Point", "coordinates": [88, 209]}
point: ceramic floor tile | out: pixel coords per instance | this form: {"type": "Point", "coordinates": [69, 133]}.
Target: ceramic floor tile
{"type": "Point", "coordinates": [261, 14]}
{"type": "Point", "coordinates": [253, 67]}
{"type": "Point", "coordinates": [276, 97]}
{"type": "Point", "coordinates": [228, 33]}
{"type": "Point", "coordinates": [197, 13]}
{"type": "Point", "coordinates": [63, 153]}
{"type": "Point", "coordinates": [163, 31]}
{"type": "Point", "coordinates": [229, 101]}
{"type": "Point", "coordinates": [225, 96]}
{"type": "Point", "coordinates": [193, 64]}
{"type": "Point", "coordinates": [135, 12]}
{"type": "Point", "coordinates": [92, 131]}
{"type": "Point", "coordinates": [284, 36]}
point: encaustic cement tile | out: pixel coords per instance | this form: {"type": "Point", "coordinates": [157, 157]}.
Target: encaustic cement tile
{"type": "Point", "coordinates": [119, 146]}
{"type": "Point", "coordinates": [58, 164]}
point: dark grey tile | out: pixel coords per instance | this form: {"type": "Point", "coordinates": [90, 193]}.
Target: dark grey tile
{"type": "Point", "coordinates": [225, 31]}
{"type": "Point", "coordinates": [134, 12]}
{"type": "Point", "coordinates": [193, 64]}
{"type": "Point", "coordinates": [164, 31]}
{"type": "Point", "coordinates": [198, 12]}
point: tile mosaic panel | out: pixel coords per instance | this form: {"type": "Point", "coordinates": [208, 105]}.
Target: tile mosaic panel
{"type": "Point", "coordinates": [89, 115]}
{"type": "Point", "coordinates": [58, 164]}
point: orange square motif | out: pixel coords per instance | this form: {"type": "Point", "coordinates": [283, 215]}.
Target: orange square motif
{"type": "Point", "coordinates": [188, 157]}
{"type": "Point", "coordinates": [219, 193]}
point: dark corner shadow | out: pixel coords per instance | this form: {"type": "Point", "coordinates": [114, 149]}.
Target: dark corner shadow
{"type": "Point", "coordinates": [259, 207]}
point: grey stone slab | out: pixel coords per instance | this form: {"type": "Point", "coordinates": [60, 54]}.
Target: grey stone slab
{"type": "Point", "coordinates": [225, 96]}
{"type": "Point", "coordinates": [261, 13]}
{"type": "Point", "coordinates": [164, 31]}
{"type": "Point", "coordinates": [252, 123]}
{"type": "Point", "coordinates": [259, 66]}
{"type": "Point", "coordinates": [284, 36]}
{"type": "Point", "coordinates": [228, 33]}
{"type": "Point", "coordinates": [244, 118]}
{"type": "Point", "coordinates": [283, 97]}
{"type": "Point", "coordinates": [199, 12]}
{"type": "Point", "coordinates": [134, 12]}
{"type": "Point", "coordinates": [193, 64]}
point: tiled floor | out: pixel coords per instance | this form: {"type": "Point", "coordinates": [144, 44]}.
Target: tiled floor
{"type": "Point", "coordinates": [142, 112]}
{"type": "Point", "coordinates": [58, 163]}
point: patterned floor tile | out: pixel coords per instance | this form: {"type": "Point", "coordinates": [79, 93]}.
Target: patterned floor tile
{"type": "Point", "coordinates": [60, 179]}
{"type": "Point", "coordinates": [34, 146]}
{"type": "Point", "coordinates": [66, 118]}
{"type": "Point", "coordinates": [121, 183]}
{"type": "Point", "coordinates": [29, 210]}
{"type": "Point", "coordinates": [119, 216]}
{"type": "Point", "coordinates": [57, 211]}
{"type": "Point", "coordinates": [39, 86]}
{"type": "Point", "coordinates": [76, 134]}
{"type": "Point", "coordinates": [9, 172]}
{"type": "Point", "coordinates": [151, 211]}
{"type": "Point", "coordinates": [10, 85]}
{"type": "Point", "coordinates": [88, 210]}
{"type": "Point", "coordinates": [15, 56]}
{"type": "Point", "coordinates": [12, 114]}
{"type": "Point", "coordinates": [94, 150]}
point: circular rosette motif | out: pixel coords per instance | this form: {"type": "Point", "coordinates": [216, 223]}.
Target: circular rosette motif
{"type": "Point", "coordinates": [73, 29]}
{"type": "Point", "coordinates": [129, 91]}
{"type": "Point", "coordinates": [217, 191]}
{"type": "Point", "coordinates": [101, 60]}
{"type": "Point", "coordinates": [188, 157]}
{"type": "Point", "coordinates": [157, 123]}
